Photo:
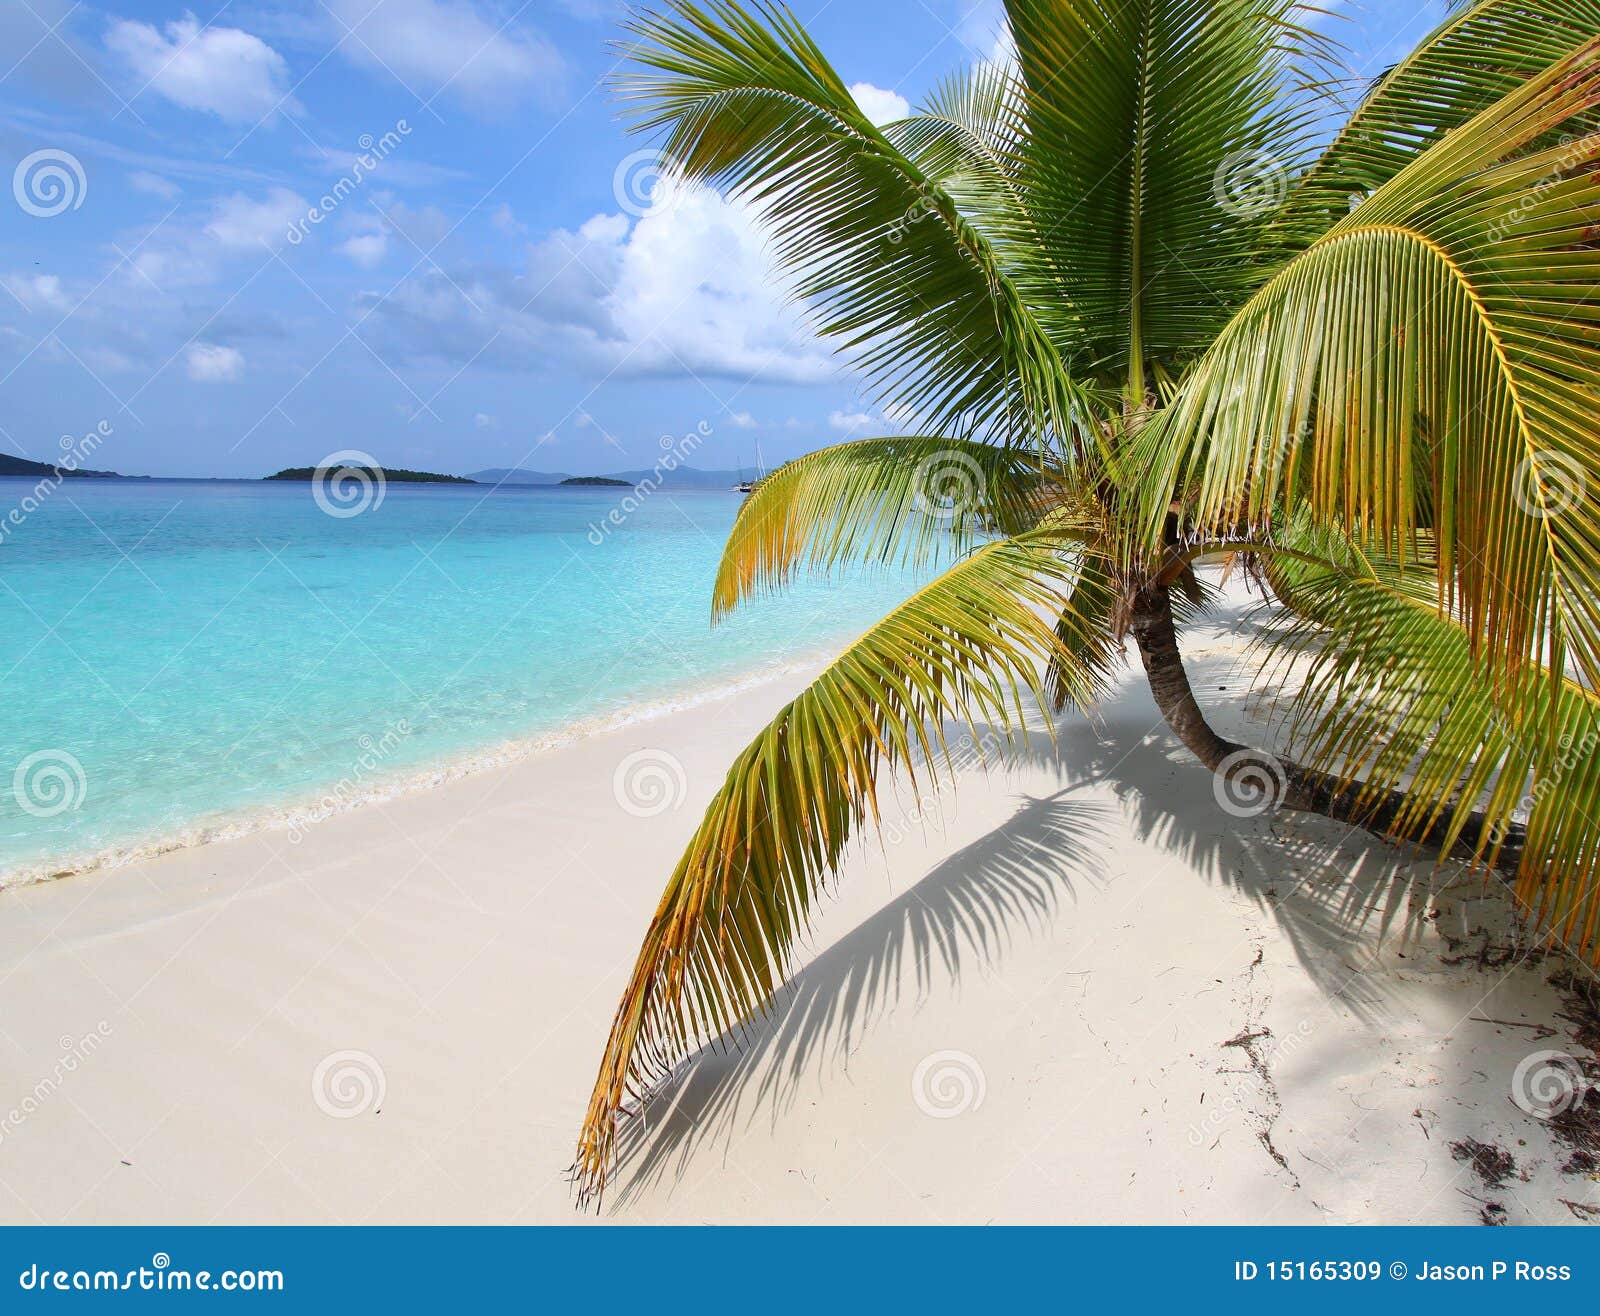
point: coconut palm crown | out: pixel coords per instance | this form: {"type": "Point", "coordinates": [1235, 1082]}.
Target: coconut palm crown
{"type": "Point", "coordinates": [1150, 299]}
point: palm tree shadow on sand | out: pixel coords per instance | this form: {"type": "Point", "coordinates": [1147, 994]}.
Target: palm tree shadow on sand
{"type": "Point", "coordinates": [1332, 891]}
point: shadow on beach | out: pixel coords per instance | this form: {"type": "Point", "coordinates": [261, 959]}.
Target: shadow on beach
{"type": "Point", "coordinates": [1334, 892]}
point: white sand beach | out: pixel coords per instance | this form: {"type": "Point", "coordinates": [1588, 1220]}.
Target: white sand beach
{"type": "Point", "coordinates": [1087, 995]}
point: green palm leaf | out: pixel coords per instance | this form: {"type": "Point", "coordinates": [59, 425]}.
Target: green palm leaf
{"type": "Point", "coordinates": [965, 648]}
{"type": "Point", "coordinates": [1390, 693]}
{"type": "Point", "coordinates": [882, 254]}
{"type": "Point", "coordinates": [1464, 66]}
{"type": "Point", "coordinates": [912, 501]}
{"type": "Point", "coordinates": [1138, 115]}
{"type": "Point", "coordinates": [1431, 361]}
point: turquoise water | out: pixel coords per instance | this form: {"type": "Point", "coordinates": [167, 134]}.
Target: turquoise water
{"type": "Point", "coordinates": [187, 658]}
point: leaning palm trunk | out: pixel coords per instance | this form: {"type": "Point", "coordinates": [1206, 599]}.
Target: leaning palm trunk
{"type": "Point", "coordinates": [1148, 313]}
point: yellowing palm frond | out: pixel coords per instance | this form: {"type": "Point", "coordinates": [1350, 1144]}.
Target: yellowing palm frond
{"type": "Point", "coordinates": [1389, 693]}
{"type": "Point", "coordinates": [910, 501]}
{"type": "Point", "coordinates": [967, 648]}
{"type": "Point", "coordinates": [1432, 362]}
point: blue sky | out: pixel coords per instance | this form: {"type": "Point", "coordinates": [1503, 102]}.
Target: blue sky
{"type": "Point", "coordinates": [487, 294]}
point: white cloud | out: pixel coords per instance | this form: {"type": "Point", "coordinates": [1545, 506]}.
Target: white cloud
{"type": "Point", "coordinates": [434, 45]}
{"type": "Point", "coordinates": [219, 70]}
{"type": "Point", "coordinates": [506, 222]}
{"type": "Point", "coordinates": [239, 220]}
{"type": "Point", "coordinates": [153, 184]}
{"type": "Point", "coordinates": [879, 105]}
{"type": "Point", "coordinates": [209, 362]}
{"type": "Point", "coordinates": [484, 421]}
{"type": "Point", "coordinates": [852, 422]}
{"type": "Point", "coordinates": [743, 420]}
{"type": "Point", "coordinates": [685, 290]}
{"type": "Point", "coordinates": [37, 292]}
{"type": "Point", "coordinates": [366, 249]}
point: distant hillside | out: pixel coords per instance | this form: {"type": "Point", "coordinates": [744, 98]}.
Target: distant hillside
{"type": "Point", "coordinates": [685, 477]}
{"type": "Point", "coordinates": [600, 481]}
{"type": "Point", "coordinates": [391, 475]}
{"type": "Point", "coordinates": [34, 470]}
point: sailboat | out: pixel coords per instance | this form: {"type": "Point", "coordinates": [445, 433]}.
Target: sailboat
{"type": "Point", "coordinates": [746, 486]}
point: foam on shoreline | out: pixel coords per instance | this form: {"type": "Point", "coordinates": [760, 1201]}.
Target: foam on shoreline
{"type": "Point", "coordinates": [306, 810]}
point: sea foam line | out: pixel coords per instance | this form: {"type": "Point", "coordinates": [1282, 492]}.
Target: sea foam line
{"type": "Point", "coordinates": [311, 808]}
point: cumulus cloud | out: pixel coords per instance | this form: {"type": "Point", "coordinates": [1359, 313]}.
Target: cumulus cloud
{"type": "Point", "coordinates": [851, 422]}
{"type": "Point", "coordinates": [210, 362]}
{"type": "Point", "coordinates": [879, 105]}
{"type": "Point", "coordinates": [244, 221]}
{"type": "Point", "coordinates": [37, 292]}
{"type": "Point", "coordinates": [219, 70]}
{"type": "Point", "coordinates": [449, 46]}
{"type": "Point", "coordinates": [685, 290]}
{"type": "Point", "coordinates": [366, 249]}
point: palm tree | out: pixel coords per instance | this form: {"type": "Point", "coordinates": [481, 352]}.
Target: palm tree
{"type": "Point", "coordinates": [1151, 300]}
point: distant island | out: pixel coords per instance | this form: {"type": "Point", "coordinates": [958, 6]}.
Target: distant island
{"type": "Point", "coordinates": [390, 474]}
{"type": "Point", "coordinates": [604, 481]}
{"type": "Point", "coordinates": [34, 470]}
{"type": "Point", "coordinates": [681, 477]}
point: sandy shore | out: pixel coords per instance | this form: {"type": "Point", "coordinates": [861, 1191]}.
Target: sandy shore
{"type": "Point", "coordinates": [1087, 996]}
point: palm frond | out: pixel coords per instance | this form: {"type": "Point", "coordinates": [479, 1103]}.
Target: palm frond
{"type": "Point", "coordinates": [1143, 120]}
{"type": "Point", "coordinates": [1387, 691]}
{"type": "Point", "coordinates": [907, 501]}
{"type": "Point", "coordinates": [1431, 362]}
{"type": "Point", "coordinates": [1480, 53]}
{"type": "Point", "coordinates": [965, 648]}
{"type": "Point", "coordinates": [912, 291]}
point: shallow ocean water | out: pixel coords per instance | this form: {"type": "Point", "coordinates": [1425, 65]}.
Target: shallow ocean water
{"type": "Point", "coordinates": [184, 658]}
